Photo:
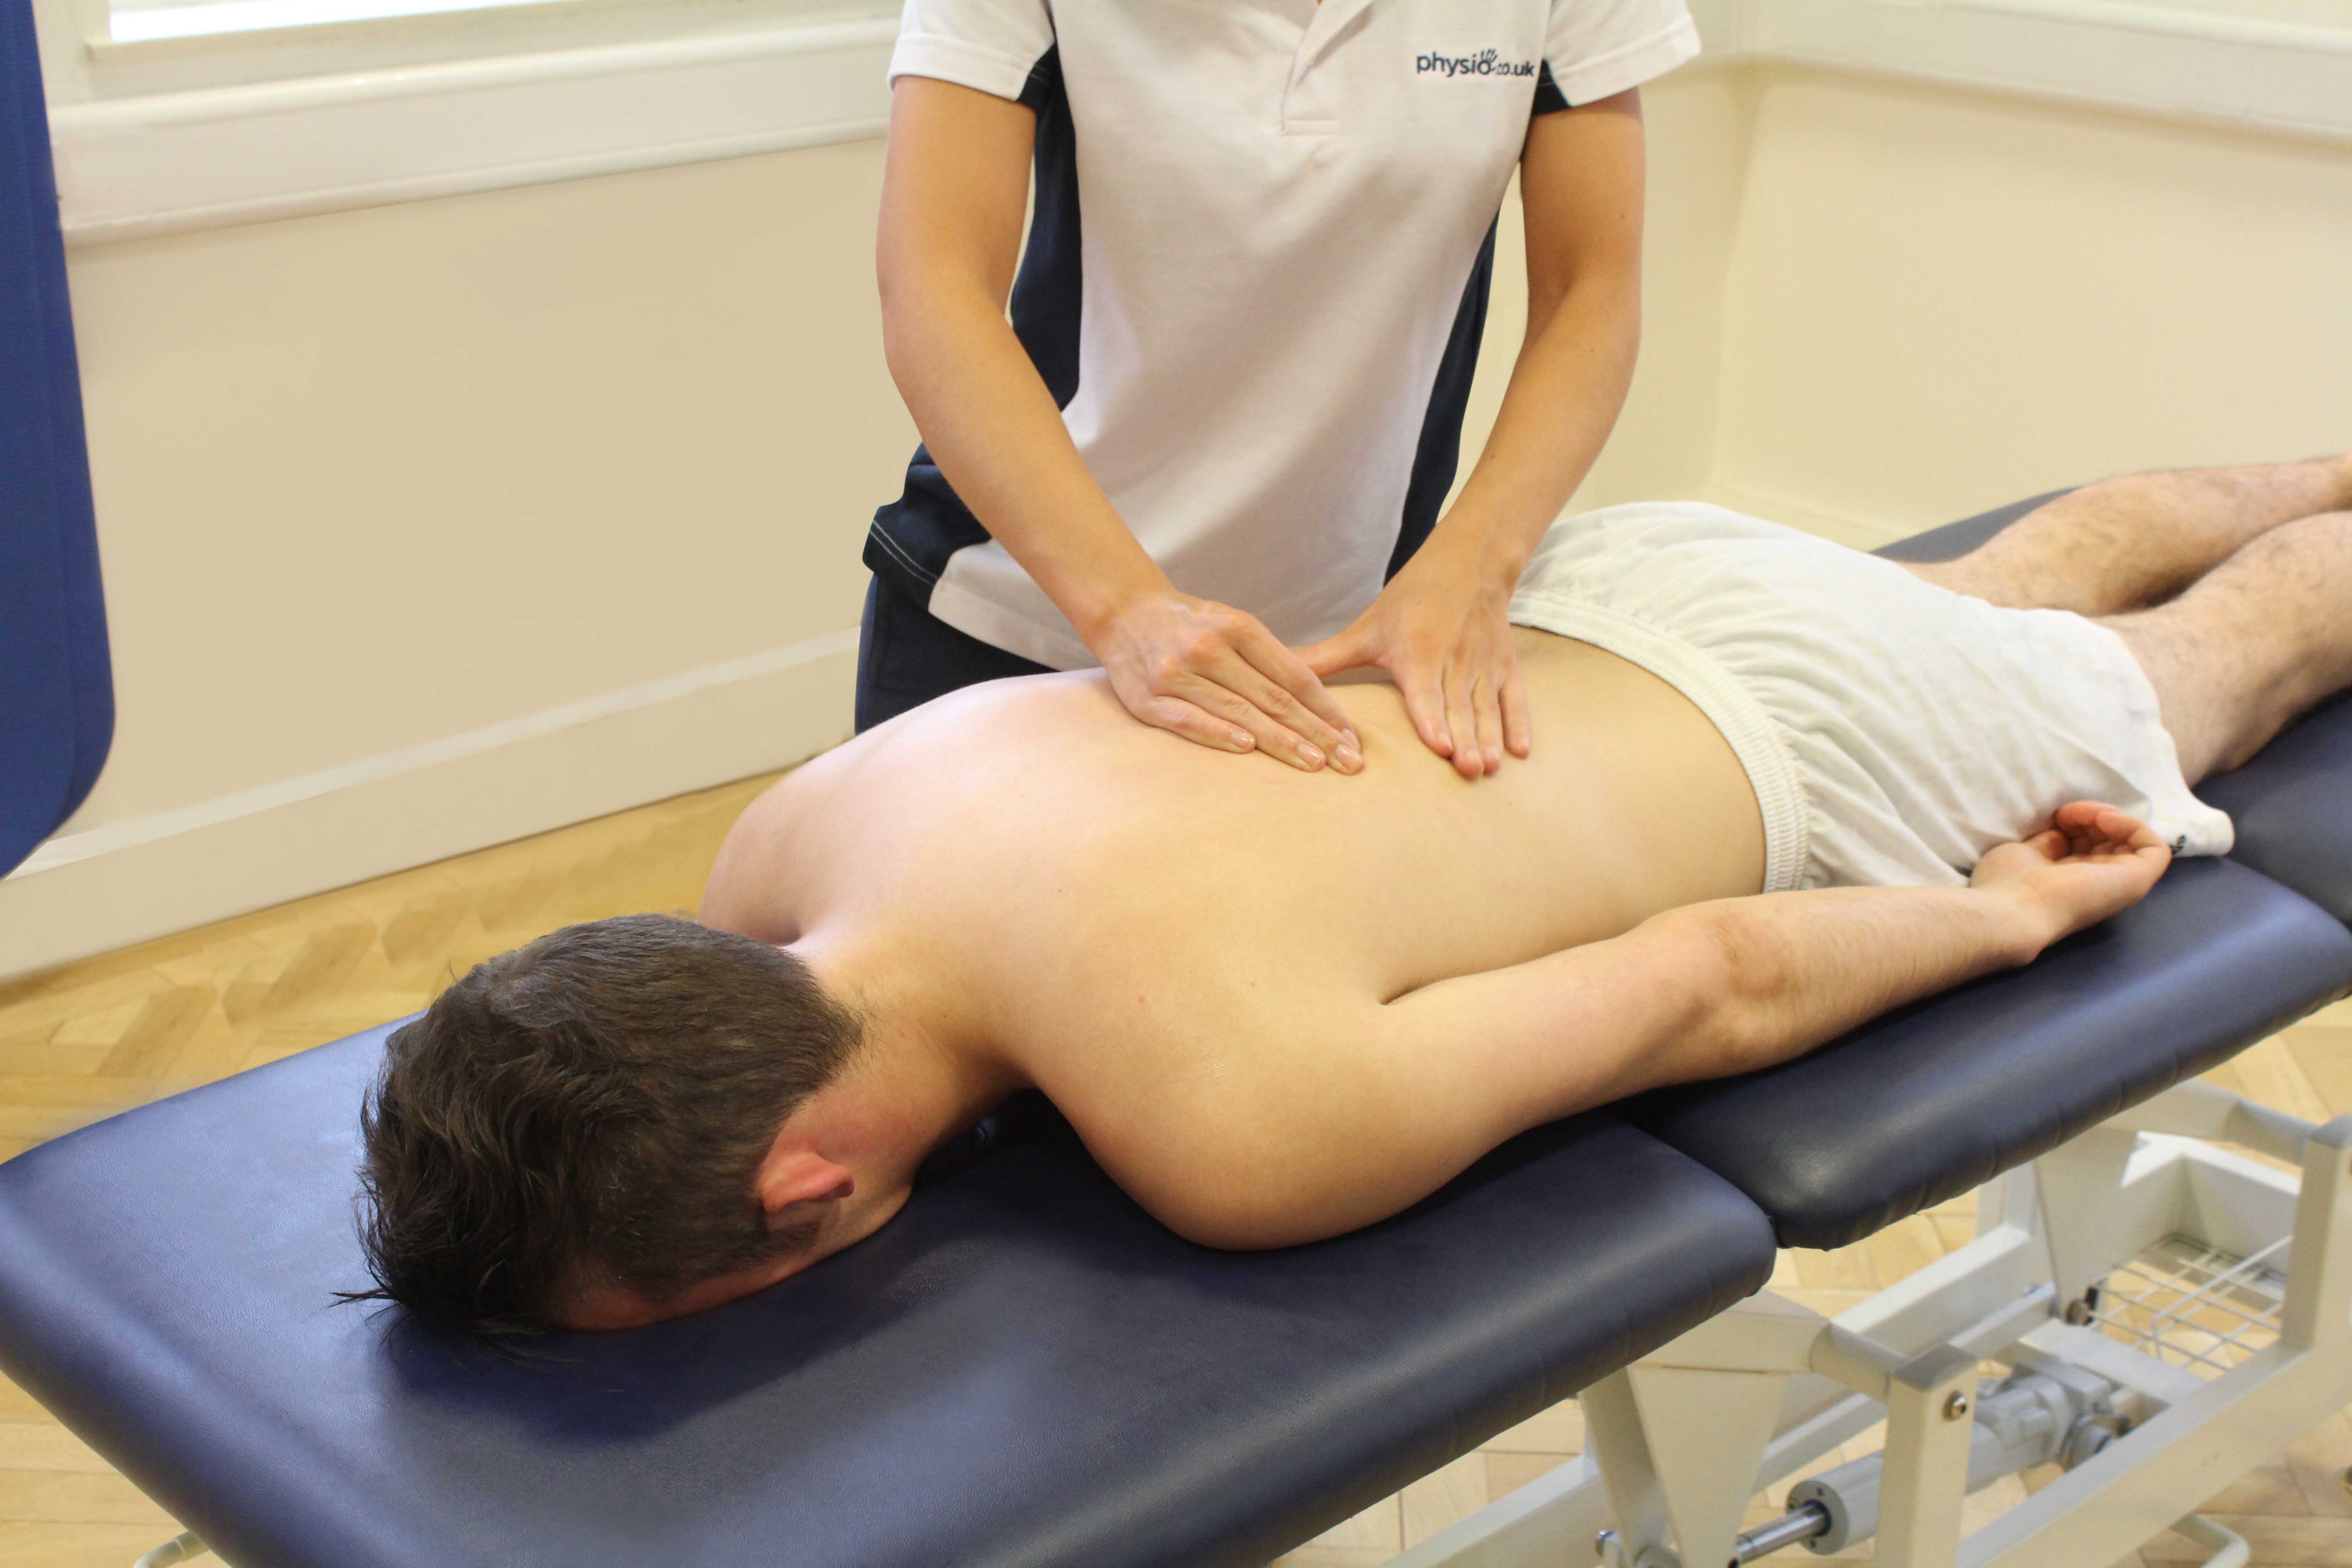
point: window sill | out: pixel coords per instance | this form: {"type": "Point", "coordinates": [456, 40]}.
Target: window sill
{"type": "Point", "coordinates": [164, 163]}
{"type": "Point", "coordinates": [241, 43]}
{"type": "Point", "coordinates": [137, 29]}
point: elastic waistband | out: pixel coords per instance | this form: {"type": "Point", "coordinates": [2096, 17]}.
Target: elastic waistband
{"type": "Point", "coordinates": [1730, 707]}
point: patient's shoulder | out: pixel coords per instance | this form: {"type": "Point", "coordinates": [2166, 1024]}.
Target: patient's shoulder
{"type": "Point", "coordinates": [773, 874]}
{"type": "Point", "coordinates": [1222, 1113]}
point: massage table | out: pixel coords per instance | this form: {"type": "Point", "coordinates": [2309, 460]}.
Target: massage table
{"type": "Point", "coordinates": [1024, 1368]}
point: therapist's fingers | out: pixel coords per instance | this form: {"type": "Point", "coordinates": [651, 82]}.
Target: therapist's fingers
{"type": "Point", "coordinates": [1462, 721]}
{"type": "Point", "coordinates": [1178, 717]}
{"type": "Point", "coordinates": [1257, 688]}
{"type": "Point", "coordinates": [1274, 662]}
{"type": "Point", "coordinates": [1425, 703]}
{"type": "Point", "coordinates": [1486, 698]}
{"type": "Point", "coordinates": [1519, 724]}
{"type": "Point", "coordinates": [1275, 739]}
{"type": "Point", "coordinates": [1183, 665]}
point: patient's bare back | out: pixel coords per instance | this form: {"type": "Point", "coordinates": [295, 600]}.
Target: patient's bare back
{"type": "Point", "coordinates": [1037, 808]}
{"type": "Point", "coordinates": [1164, 936]}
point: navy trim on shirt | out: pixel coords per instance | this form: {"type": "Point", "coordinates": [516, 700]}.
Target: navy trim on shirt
{"type": "Point", "coordinates": [1549, 99]}
{"type": "Point", "coordinates": [1439, 452]}
{"type": "Point", "coordinates": [912, 537]}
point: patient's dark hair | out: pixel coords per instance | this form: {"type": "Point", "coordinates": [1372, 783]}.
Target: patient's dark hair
{"type": "Point", "coordinates": [589, 1107]}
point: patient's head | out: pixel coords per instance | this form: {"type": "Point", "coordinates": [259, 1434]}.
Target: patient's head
{"type": "Point", "coordinates": [584, 1117]}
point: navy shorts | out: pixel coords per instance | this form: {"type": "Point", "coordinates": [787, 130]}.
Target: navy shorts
{"type": "Point", "coordinates": [907, 656]}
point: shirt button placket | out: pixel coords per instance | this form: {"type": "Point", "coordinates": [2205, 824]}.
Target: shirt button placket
{"type": "Point", "coordinates": [1309, 107]}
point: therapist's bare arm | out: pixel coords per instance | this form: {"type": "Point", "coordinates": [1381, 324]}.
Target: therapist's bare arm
{"type": "Point", "coordinates": [1440, 628]}
{"type": "Point", "coordinates": [953, 197]}
{"type": "Point", "coordinates": [1447, 1072]}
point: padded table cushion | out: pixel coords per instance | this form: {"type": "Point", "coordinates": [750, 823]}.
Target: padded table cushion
{"type": "Point", "coordinates": [1023, 1368]}
{"type": "Point", "coordinates": [1936, 1098]}
{"type": "Point", "coordinates": [2293, 804]}
{"type": "Point", "coordinates": [1955, 540]}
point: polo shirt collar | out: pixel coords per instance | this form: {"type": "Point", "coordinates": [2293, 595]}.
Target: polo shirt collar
{"type": "Point", "coordinates": [1331, 18]}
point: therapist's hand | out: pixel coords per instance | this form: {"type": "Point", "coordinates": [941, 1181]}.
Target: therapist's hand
{"type": "Point", "coordinates": [1442, 629]}
{"type": "Point", "coordinates": [1214, 675]}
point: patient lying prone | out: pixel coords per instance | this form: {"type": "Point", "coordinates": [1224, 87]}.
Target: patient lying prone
{"type": "Point", "coordinates": [1278, 1006]}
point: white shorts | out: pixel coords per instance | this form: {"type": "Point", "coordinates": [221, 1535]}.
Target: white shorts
{"type": "Point", "coordinates": [1894, 730]}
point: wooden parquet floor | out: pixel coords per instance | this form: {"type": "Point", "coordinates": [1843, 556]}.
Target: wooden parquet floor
{"type": "Point", "coordinates": [89, 1039]}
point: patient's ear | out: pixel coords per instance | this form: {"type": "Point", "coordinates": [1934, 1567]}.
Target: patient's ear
{"type": "Point", "coordinates": [792, 1172]}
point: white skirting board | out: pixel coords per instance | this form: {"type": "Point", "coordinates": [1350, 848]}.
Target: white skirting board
{"type": "Point", "coordinates": [127, 881]}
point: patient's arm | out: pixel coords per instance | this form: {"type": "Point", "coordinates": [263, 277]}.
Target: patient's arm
{"type": "Point", "coordinates": [1704, 991]}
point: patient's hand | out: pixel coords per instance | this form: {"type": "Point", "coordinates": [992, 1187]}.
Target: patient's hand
{"type": "Point", "coordinates": [2091, 862]}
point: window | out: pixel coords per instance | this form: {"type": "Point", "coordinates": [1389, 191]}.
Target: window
{"type": "Point", "coordinates": [98, 50]}
{"type": "Point", "coordinates": [143, 21]}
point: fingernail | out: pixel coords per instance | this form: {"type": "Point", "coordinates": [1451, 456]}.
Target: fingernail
{"type": "Point", "coordinates": [1243, 740]}
{"type": "Point", "coordinates": [1354, 740]}
{"type": "Point", "coordinates": [1310, 753]}
{"type": "Point", "coordinates": [1350, 757]}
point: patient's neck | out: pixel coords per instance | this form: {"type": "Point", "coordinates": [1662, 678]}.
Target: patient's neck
{"type": "Point", "coordinates": [917, 1079]}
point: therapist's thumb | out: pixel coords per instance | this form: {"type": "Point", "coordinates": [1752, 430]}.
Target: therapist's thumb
{"type": "Point", "coordinates": [1350, 649]}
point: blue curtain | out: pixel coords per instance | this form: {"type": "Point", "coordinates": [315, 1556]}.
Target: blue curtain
{"type": "Point", "coordinates": [56, 693]}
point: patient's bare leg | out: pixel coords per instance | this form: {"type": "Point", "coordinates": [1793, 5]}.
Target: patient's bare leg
{"type": "Point", "coordinates": [2254, 642]}
{"type": "Point", "coordinates": [2139, 540]}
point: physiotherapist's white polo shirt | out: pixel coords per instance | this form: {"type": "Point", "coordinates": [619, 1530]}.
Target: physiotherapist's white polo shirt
{"type": "Point", "coordinates": [1257, 274]}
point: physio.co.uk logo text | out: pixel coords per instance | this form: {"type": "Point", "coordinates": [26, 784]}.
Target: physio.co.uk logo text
{"type": "Point", "coordinates": [1486, 62]}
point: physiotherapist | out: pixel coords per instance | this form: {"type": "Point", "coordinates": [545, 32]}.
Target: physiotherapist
{"type": "Point", "coordinates": [1226, 408]}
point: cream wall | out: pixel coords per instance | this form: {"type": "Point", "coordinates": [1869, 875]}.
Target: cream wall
{"type": "Point", "coordinates": [431, 525]}
{"type": "Point", "coordinates": [1699, 134]}
{"type": "Point", "coordinates": [377, 477]}
{"type": "Point", "coordinates": [1941, 300]}
{"type": "Point", "coordinates": [1697, 125]}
